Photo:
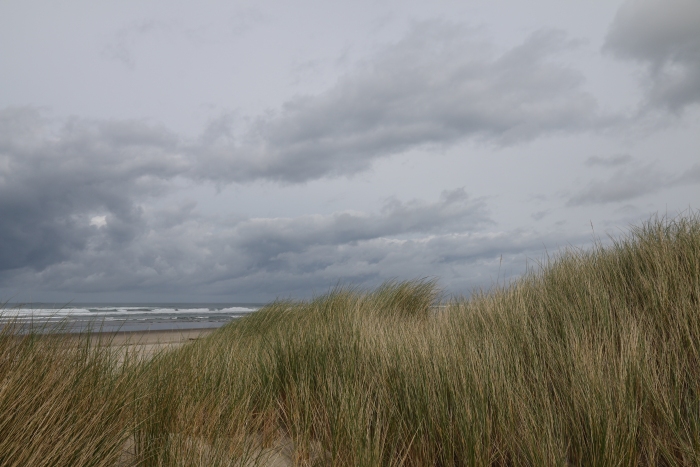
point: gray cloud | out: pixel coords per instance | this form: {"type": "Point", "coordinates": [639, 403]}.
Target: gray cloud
{"type": "Point", "coordinates": [175, 249]}
{"type": "Point", "coordinates": [690, 176]}
{"type": "Point", "coordinates": [58, 177]}
{"type": "Point", "coordinates": [120, 47]}
{"type": "Point", "coordinates": [437, 86]}
{"type": "Point", "coordinates": [55, 177]}
{"type": "Point", "coordinates": [610, 161]}
{"type": "Point", "coordinates": [664, 35]}
{"type": "Point", "coordinates": [632, 181]}
{"type": "Point", "coordinates": [245, 19]}
{"type": "Point", "coordinates": [270, 238]}
{"type": "Point", "coordinates": [267, 257]}
{"type": "Point", "coordinates": [539, 215]}
{"type": "Point", "coordinates": [54, 180]}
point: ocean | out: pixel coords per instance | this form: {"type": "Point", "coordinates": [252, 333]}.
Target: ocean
{"type": "Point", "coordinates": [110, 317]}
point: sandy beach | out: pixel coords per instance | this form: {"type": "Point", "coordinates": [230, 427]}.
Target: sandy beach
{"type": "Point", "coordinates": [148, 343]}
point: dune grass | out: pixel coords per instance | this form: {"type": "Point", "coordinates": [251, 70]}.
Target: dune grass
{"type": "Point", "coordinates": [63, 401]}
{"type": "Point", "coordinates": [592, 359]}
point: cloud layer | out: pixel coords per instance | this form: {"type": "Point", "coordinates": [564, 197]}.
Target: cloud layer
{"type": "Point", "coordinates": [630, 180]}
{"type": "Point", "coordinates": [79, 213]}
{"type": "Point", "coordinates": [81, 200]}
{"type": "Point", "coordinates": [53, 181]}
{"type": "Point", "coordinates": [665, 37]}
{"type": "Point", "coordinates": [174, 249]}
{"type": "Point", "coordinates": [439, 85]}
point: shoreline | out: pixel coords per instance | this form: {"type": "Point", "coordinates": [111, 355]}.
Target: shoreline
{"type": "Point", "coordinates": [146, 343]}
{"type": "Point", "coordinates": [150, 342]}
{"type": "Point", "coordinates": [155, 336]}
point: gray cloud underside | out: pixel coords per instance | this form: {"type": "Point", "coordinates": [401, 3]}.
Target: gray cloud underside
{"type": "Point", "coordinates": [611, 161]}
{"type": "Point", "coordinates": [439, 85]}
{"type": "Point", "coordinates": [52, 182]}
{"type": "Point", "coordinates": [633, 181]}
{"type": "Point", "coordinates": [171, 251]}
{"type": "Point", "coordinates": [217, 265]}
{"type": "Point", "coordinates": [665, 36]}
{"type": "Point", "coordinates": [54, 179]}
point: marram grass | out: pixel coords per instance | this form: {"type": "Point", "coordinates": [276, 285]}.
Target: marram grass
{"type": "Point", "coordinates": [593, 359]}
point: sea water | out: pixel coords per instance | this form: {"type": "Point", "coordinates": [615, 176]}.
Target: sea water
{"type": "Point", "coordinates": [125, 317]}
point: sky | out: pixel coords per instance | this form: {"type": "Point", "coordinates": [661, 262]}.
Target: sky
{"type": "Point", "coordinates": [240, 151]}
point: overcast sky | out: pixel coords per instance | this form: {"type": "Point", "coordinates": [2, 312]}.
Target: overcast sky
{"type": "Point", "coordinates": [243, 151]}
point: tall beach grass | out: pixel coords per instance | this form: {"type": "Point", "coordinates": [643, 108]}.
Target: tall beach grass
{"type": "Point", "coordinates": [592, 359]}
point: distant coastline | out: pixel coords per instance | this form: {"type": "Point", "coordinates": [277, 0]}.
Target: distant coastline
{"type": "Point", "coordinates": [127, 317]}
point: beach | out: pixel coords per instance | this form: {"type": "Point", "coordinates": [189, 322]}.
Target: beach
{"type": "Point", "coordinates": [148, 343]}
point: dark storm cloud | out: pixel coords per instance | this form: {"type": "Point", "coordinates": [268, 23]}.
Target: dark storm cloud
{"type": "Point", "coordinates": [437, 86]}
{"type": "Point", "coordinates": [59, 179]}
{"type": "Point", "coordinates": [266, 254]}
{"type": "Point", "coordinates": [53, 180]}
{"type": "Point", "coordinates": [56, 177]}
{"type": "Point", "coordinates": [265, 258]}
{"type": "Point", "coordinates": [632, 181]}
{"type": "Point", "coordinates": [665, 36]}
{"type": "Point", "coordinates": [461, 260]}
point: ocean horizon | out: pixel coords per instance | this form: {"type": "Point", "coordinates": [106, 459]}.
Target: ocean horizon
{"type": "Point", "coordinates": [128, 317]}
